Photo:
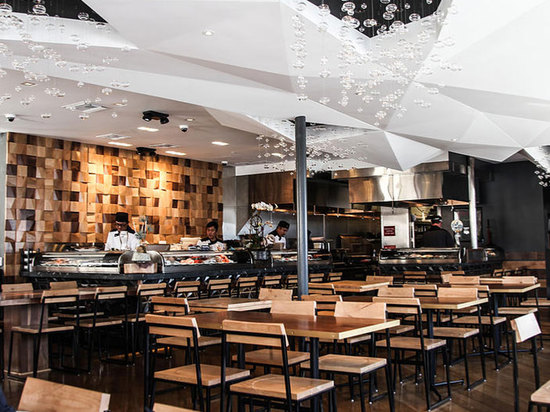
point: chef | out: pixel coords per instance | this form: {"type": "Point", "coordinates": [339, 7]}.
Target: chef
{"type": "Point", "coordinates": [278, 235]}
{"type": "Point", "coordinates": [436, 236]}
{"type": "Point", "coordinates": [122, 237]}
{"type": "Point", "coordinates": [211, 240]}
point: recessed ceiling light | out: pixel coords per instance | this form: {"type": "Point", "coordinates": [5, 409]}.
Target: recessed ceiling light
{"type": "Point", "coordinates": [208, 32]}
{"type": "Point", "coordinates": [454, 140]}
{"type": "Point", "coordinates": [172, 152]}
{"type": "Point", "coordinates": [120, 144]}
{"type": "Point", "coordinates": [277, 154]}
{"type": "Point", "coordinates": [28, 84]}
{"type": "Point", "coordinates": [220, 143]}
{"type": "Point", "coordinates": [148, 129]}
{"type": "Point", "coordinates": [190, 119]}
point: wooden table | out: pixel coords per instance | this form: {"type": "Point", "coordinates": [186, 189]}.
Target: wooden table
{"type": "Point", "coordinates": [228, 304]}
{"type": "Point", "coordinates": [313, 327]}
{"type": "Point", "coordinates": [357, 286]}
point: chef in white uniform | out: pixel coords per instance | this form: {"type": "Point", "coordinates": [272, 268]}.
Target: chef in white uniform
{"type": "Point", "coordinates": [211, 240]}
{"type": "Point", "coordinates": [122, 237]}
{"type": "Point", "coordinates": [278, 235]}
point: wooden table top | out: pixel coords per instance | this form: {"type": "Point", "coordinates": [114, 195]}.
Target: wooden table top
{"type": "Point", "coordinates": [357, 286]}
{"type": "Point", "coordinates": [512, 287]}
{"type": "Point", "coordinates": [31, 298]}
{"type": "Point", "coordinates": [325, 327]}
{"type": "Point", "coordinates": [236, 304]}
{"type": "Point", "coordinates": [429, 302]}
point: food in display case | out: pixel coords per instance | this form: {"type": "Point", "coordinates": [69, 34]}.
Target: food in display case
{"type": "Point", "coordinates": [292, 256]}
{"type": "Point", "coordinates": [419, 256]}
{"type": "Point", "coordinates": [85, 262]}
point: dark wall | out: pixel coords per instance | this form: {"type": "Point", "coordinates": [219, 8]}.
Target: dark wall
{"type": "Point", "coordinates": [512, 202]}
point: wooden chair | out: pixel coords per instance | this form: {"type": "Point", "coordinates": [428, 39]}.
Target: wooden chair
{"type": "Point", "coordinates": [113, 296]}
{"type": "Point", "coordinates": [445, 276]}
{"type": "Point", "coordinates": [291, 282]}
{"type": "Point", "coordinates": [275, 294]}
{"type": "Point", "coordinates": [218, 287]}
{"type": "Point", "coordinates": [425, 347]}
{"type": "Point", "coordinates": [169, 306]}
{"type": "Point", "coordinates": [497, 273]}
{"type": "Point", "coordinates": [334, 276]}
{"type": "Point", "coordinates": [36, 330]}
{"type": "Point", "coordinates": [422, 290]}
{"type": "Point", "coordinates": [291, 391]}
{"type": "Point", "coordinates": [415, 276]}
{"type": "Point", "coordinates": [189, 289]}
{"type": "Point", "coordinates": [526, 328]}
{"type": "Point", "coordinates": [159, 407]}
{"type": "Point", "coordinates": [44, 396]}
{"type": "Point", "coordinates": [461, 334]}
{"type": "Point", "coordinates": [270, 357]}
{"type": "Point", "coordinates": [272, 281]}
{"type": "Point", "coordinates": [16, 287]}
{"type": "Point", "coordinates": [376, 279]}
{"type": "Point", "coordinates": [321, 289]}
{"type": "Point", "coordinates": [464, 280]}
{"type": "Point", "coordinates": [316, 277]}
{"type": "Point", "coordinates": [70, 284]}
{"type": "Point", "coordinates": [196, 374]}
{"type": "Point", "coordinates": [358, 366]}
{"type": "Point", "coordinates": [386, 291]}
{"type": "Point", "coordinates": [248, 286]}
{"type": "Point", "coordinates": [325, 303]}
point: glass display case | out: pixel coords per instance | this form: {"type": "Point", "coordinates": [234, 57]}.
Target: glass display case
{"type": "Point", "coordinates": [419, 256]}
{"type": "Point", "coordinates": [77, 262]}
{"type": "Point", "coordinates": [174, 261]}
{"type": "Point", "coordinates": [291, 256]}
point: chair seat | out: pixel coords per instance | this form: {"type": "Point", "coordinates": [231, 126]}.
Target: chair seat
{"type": "Point", "coordinates": [101, 322]}
{"type": "Point", "coordinates": [159, 407]}
{"type": "Point", "coordinates": [273, 386]}
{"type": "Point", "coordinates": [348, 364]}
{"type": "Point", "coordinates": [542, 394]}
{"type": "Point", "coordinates": [272, 357]}
{"type": "Point", "coordinates": [65, 315]}
{"type": "Point", "coordinates": [355, 339]}
{"type": "Point", "coordinates": [210, 374]}
{"type": "Point", "coordinates": [48, 328]}
{"type": "Point", "coordinates": [182, 342]}
{"type": "Point", "coordinates": [473, 320]}
{"type": "Point", "coordinates": [131, 318]}
{"type": "Point", "coordinates": [533, 302]}
{"type": "Point", "coordinates": [411, 343]}
{"type": "Point", "coordinates": [472, 309]}
{"type": "Point", "coordinates": [451, 332]}
{"type": "Point", "coordinates": [443, 318]}
{"type": "Point", "coordinates": [399, 330]}
{"type": "Point", "coordinates": [516, 311]}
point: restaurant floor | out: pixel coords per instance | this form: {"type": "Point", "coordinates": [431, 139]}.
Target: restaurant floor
{"type": "Point", "coordinates": [125, 384]}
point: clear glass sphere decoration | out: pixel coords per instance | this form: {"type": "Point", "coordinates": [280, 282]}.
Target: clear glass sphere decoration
{"type": "Point", "coordinates": [364, 6]}
{"type": "Point", "coordinates": [348, 7]}
{"type": "Point", "coordinates": [39, 9]}
{"type": "Point", "coordinates": [83, 16]}
{"type": "Point", "coordinates": [392, 8]}
{"type": "Point", "coordinates": [388, 16]}
{"type": "Point", "coordinates": [5, 9]}
{"type": "Point", "coordinates": [324, 9]}
{"type": "Point", "coordinates": [414, 17]}
{"type": "Point", "coordinates": [301, 6]}
{"type": "Point", "coordinates": [407, 6]}
{"type": "Point", "coordinates": [385, 1]}
{"type": "Point", "coordinates": [370, 23]}
{"type": "Point", "coordinates": [351, 21]}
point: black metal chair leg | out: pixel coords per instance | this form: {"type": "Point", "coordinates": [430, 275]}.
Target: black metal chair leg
{"type": "Point", "coordinates": [10, 354]}
{"type": "Point", "coordinates": [466, 369]}
{"type": "Point", "coordinates": [361, 393]}
{"type": "Point", "coordinates": [390, 389]}
{"type": "Point", "coordinates": [427, 379]}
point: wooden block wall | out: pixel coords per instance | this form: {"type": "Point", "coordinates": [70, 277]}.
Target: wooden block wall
{"type": "Point", "coordinates": [60, 191]}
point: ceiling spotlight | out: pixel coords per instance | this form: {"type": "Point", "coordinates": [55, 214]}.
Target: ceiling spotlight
{"type": "Point", "coordinates": [208, 32]}
{"type": "Point", "coordinates": [149, 115]}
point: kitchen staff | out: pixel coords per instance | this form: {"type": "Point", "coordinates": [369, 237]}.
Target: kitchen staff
{"type": "Point", "coordinates": [436, 236]}
{"type": "Point", "coordinates": [122, 237]}
{"type": "Point", "coordinates": [211, 240]}
{"type": "Point", "coordinates": [278, 235]}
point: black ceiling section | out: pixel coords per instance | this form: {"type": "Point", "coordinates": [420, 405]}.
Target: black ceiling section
{"type": "Point", "coordinates": [68, 9]}
{"type": "Point", "coordinates": [374, 9]}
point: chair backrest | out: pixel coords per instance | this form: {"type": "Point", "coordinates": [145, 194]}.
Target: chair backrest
{"type": "Point", "coordinates": [528, 280]}
{"type": "Point", "coordinates": [272, 280]}
{"type": "Point", "coordinates": [275, 294]}
{"type": "Point", "coordinates": [189, 289]}
{"type": "Point", "coordinates": [296, 307]}
{"type": "Point", "coordinates": [445, 276]}
{"type": "Point", "coordinates": [151, 289]}
{"type": "Point", "coordinates": [325, 303]}
{"type": "Point", "coordinates": [291, 281]}
{"type": "Point", "coordinates": [464, 280]}
{"type": "Point", "coordinates": [316, 277]}
{"type": "Point", "coordinates": [414, 275]}
{"type": "Point", "coordinates": [376, 278]}
{"type": "Point", "coordinates": [70, 284]}
{"type": "Point", "coordinates": [498, 272]}
{"type": "Point", "coordinates": [159, 407]}
{"type": "Point", "coordinates": [396, 292]}
{"type": "Point", "coordinates": [422, 289]}
{"type": "Point", "coordinates": [174, 326]}
{"type": "Point", "coordinates": [46, 396]}
{"type": "Point", "coordinates": [170, 305]}
{"type": "Point", "coordinates": [247, 281]}
{"type": "Point", "coordinates": [334, 276]}
{"type": "Point", "coordinates": [404, 306]}
{"type": "Point", "coordinates": [360, 310]}
{"type": "Point", "coordinates": [221, 286]}
{"type": "Point", "coordinates": [255, 333]}
{"type": "Point", "coordinates": [321, 289]}
{"type": "Point", "coordinates": [111, 292]}
{"type": "Point", "coordinates": [54, 296]}
{"type": "Point", "coordinates": [526, 327]}
{"type": "Point", "coordinates": [16, 287]}
{"type": "Point", "coordinates": [458, 292]}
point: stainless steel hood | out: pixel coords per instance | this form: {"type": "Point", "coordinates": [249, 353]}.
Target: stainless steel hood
{"type": "Point", "coordinates": [430, 181]}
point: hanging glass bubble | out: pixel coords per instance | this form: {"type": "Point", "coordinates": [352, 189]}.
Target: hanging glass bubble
{"type": "Point", "coordinates": [392, 7]}
{"type": "Point", "coordinates": [106, 91]}
{"type": "Point", "coordinates": [83, 16]}
{"type": "Point", "coordinates": [351, 21]}
{"type": "Point", "coordinates": [414, 17]}
{"type": "Point", "coordinates": [370, 23]}
{"type": "Point", "coordinates": [39, 9]}
{"type": "Point", "coordinates": [324, 10]}
{"type": "Point", "coordinates": [5, 9]}
{"type": "Point", "coordinates": [388, 16]}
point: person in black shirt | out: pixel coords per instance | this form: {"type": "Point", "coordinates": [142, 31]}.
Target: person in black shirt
{"type": "Point", "coordinates": [211, 240]}
{"type": "Point", "coordinates": [436, 236]}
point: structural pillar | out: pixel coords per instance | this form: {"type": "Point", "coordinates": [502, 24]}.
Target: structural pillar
{"type": "Point", "coordinates": [301, 204]}
{"type": "Point", "coordinates": [472, 197]}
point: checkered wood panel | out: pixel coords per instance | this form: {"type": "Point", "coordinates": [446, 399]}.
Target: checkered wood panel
{"type": "Point", "coordinates": [60, 191]}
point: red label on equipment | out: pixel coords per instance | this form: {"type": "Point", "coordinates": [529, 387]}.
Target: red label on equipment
{"type": "Point", "coordinates": [389, 230]}
{"type": "Point", "coordinates": [390, 247]}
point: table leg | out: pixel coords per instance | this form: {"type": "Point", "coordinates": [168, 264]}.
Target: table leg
{"type": "Point", "coordinates": [22, 357]}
